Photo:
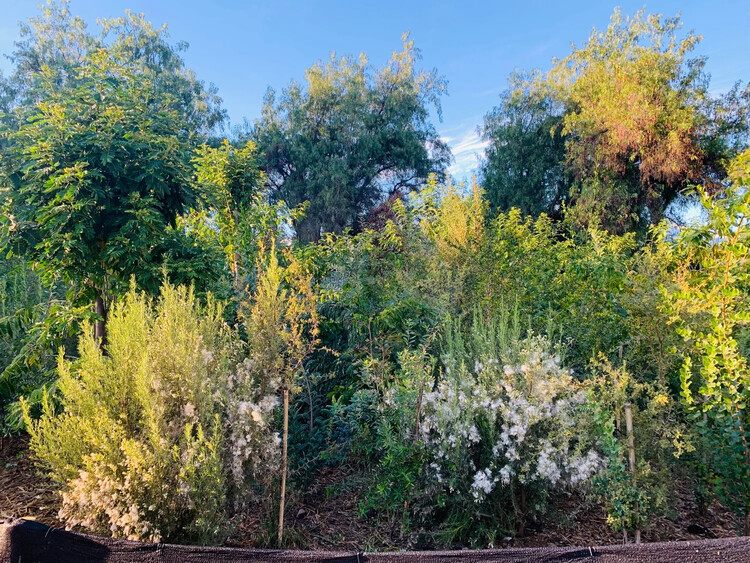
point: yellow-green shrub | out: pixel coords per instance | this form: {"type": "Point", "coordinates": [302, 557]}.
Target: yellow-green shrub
{"type": "Point", "coordinates": [137, 448]}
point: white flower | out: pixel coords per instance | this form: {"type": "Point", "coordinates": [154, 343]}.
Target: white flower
{"type": "Point", "coordinates": [505, 474]}
{"type": "Point", "coordinates": [208, 356]}
{"type": "Point", "coordinates": [546, 468]}
{"type": "Point", "coordinates": [473, 434]}
{"type": "Point", "coordinates": [188, 410]}
{"type": "Point", "coordinates": [483, 484]}
{"type": "Point", "coordinates": [583, 468]}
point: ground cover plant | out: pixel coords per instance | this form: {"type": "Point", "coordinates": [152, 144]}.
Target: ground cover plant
{"type": "Point", "coordinates": [198, 334]}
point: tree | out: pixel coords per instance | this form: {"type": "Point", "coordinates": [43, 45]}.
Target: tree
{"type": "Point", "coordinates": [524, 164]}
{"type": "Point", "coordinates": [725, 133]}
{"type": "Point", "coordinates": [55, 44]}
{"type": "Point", "coordinates": [101, 169]}
{"type": "Point", "coordinates": [283, 331]}
{"type": "Point", "coordinates": [634, 124]}
{"type": "Point", "coordinates": [59, 69]}
{"type": "Point", "coordinates": [350, 138]}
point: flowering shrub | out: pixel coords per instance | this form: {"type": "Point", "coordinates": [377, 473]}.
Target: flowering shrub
{"type": "Point", "coordinates": [500, 420]}
{"type": "Point", "coordinates": [253, 441]}
{"type": "Point", "coordinates": [478, 450]}
{"type": "Point", "coordinates": [138, 450]}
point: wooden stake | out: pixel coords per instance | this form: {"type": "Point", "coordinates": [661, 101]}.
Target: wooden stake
{"type": "Point", "coordinates": [282, 498]}
{"type": "Point", "coordinates": [631, 456]}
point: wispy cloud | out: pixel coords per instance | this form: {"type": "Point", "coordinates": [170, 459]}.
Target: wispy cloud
{"type": "Point", "coordinates": [467, 147]}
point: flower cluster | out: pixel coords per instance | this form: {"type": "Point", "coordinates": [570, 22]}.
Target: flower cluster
{"type": "Point", "coordinates": [525, 412]}
{"type": "Point", "coordinates": [97, 499]}
{"type": "Point", "coordinates": [253, 444]}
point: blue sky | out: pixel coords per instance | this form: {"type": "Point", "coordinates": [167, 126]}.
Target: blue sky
{"type": "Point", "coordinates": [243, 47]}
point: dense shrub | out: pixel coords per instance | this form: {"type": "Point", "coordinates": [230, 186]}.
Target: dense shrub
{"type": "Point", "coordinates": [137, 446]}
{"type": "Point", "coordinates": [503, 428]}
{"type": "Point", "coordinates": [661, 441]}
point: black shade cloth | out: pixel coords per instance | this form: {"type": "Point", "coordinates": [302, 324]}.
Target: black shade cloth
{"type": "Point", "coordinates": [23, 541]}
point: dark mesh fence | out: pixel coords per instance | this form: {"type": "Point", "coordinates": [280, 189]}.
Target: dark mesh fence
{"type": "Point", "coordinates": [22, 541]}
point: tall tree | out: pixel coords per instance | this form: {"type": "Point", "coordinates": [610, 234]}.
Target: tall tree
{"type": "Point", "coordinates": [633, 127]}
{"type": "Point", "coordinates": [56, 43]}
{"type": "Point", "coordinates": [350, 138]}
{"type": "Point", "coordinates": [102, 169]}
{"type": "Point", "coordinates": [524, 164]}
{"type": "Point", "coordinates": [96, 137]}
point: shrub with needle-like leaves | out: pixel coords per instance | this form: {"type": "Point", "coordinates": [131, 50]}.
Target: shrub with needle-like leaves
{"type": "Point", "coordinates": [137, 449]}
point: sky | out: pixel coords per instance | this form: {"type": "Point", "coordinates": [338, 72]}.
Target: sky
{"type": "Point", "coordinates": [245, 46]}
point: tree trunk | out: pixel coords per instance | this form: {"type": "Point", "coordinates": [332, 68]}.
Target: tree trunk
{"type": "Point", "coordinates": [308, 229]}
{"type": "Point", "coordinates": [100, 327]}
{"type": "Point", "coordinates": [522, 523]}
{"type": "Point", "coordinates": [284, 439]}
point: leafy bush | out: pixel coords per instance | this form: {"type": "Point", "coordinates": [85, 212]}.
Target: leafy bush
{"type": "Point", "coordinates": [710, 305]}
{"type": "Point", "coordinates": [632, 500]}
{"type": "Point", "coordinates": [35, 320]}
{"type": "Point", "coordinates": [394, 440]}
{"type": "Point", "coordinates": [138, 449]}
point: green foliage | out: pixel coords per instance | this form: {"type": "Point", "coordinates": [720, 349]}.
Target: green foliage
{"type": "Point", "coordinates": [282, 325]}
{"type": "Point", "coordinates": [592, 292]}
{"type": "Point", "coordinates": [350, 138]}
{"type": "Point", "coordinates": [137, 444]}
{"type": "Point", "coordinates": [395, 449]}
{"type": "Point", "coordinates": [565, 282]}
{"type": "Point", "coordinates": [55, 44]}
{"type": "Point", "coordinates": [103, 170]}
{"type": "Point", "coordinates": [282, 321]}
{"type": "Point", "coordinates": [632, 500]}
{"type": "Point", "coordinates": [524, 164]}
{"type": "Point", "coordinates": [455, 343]}
{"type": "Point", "coordinates": [232, 185]}
{"type": "Point", "coordinates": [710, 305]}
{"type": "Point", "coordinates": [22, 300]}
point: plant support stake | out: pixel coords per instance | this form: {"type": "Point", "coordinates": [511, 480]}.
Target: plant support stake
{"type": "Point", "coordinates": [631, 458]}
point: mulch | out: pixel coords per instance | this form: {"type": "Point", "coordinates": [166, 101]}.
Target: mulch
{"type": "Point", "coordinates": [23, 492]}
{"type": "Point", "coordinates": [327, 517]}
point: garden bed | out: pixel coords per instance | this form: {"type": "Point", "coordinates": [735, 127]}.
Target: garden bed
{"type": "Point", "coordinates": [327, 516]}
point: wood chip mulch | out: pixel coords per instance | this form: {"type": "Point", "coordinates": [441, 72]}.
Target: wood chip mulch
{"type": "Point", "coordinates": [24, 492]}
{"type": "Point", "coordinates": [328, 516]}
